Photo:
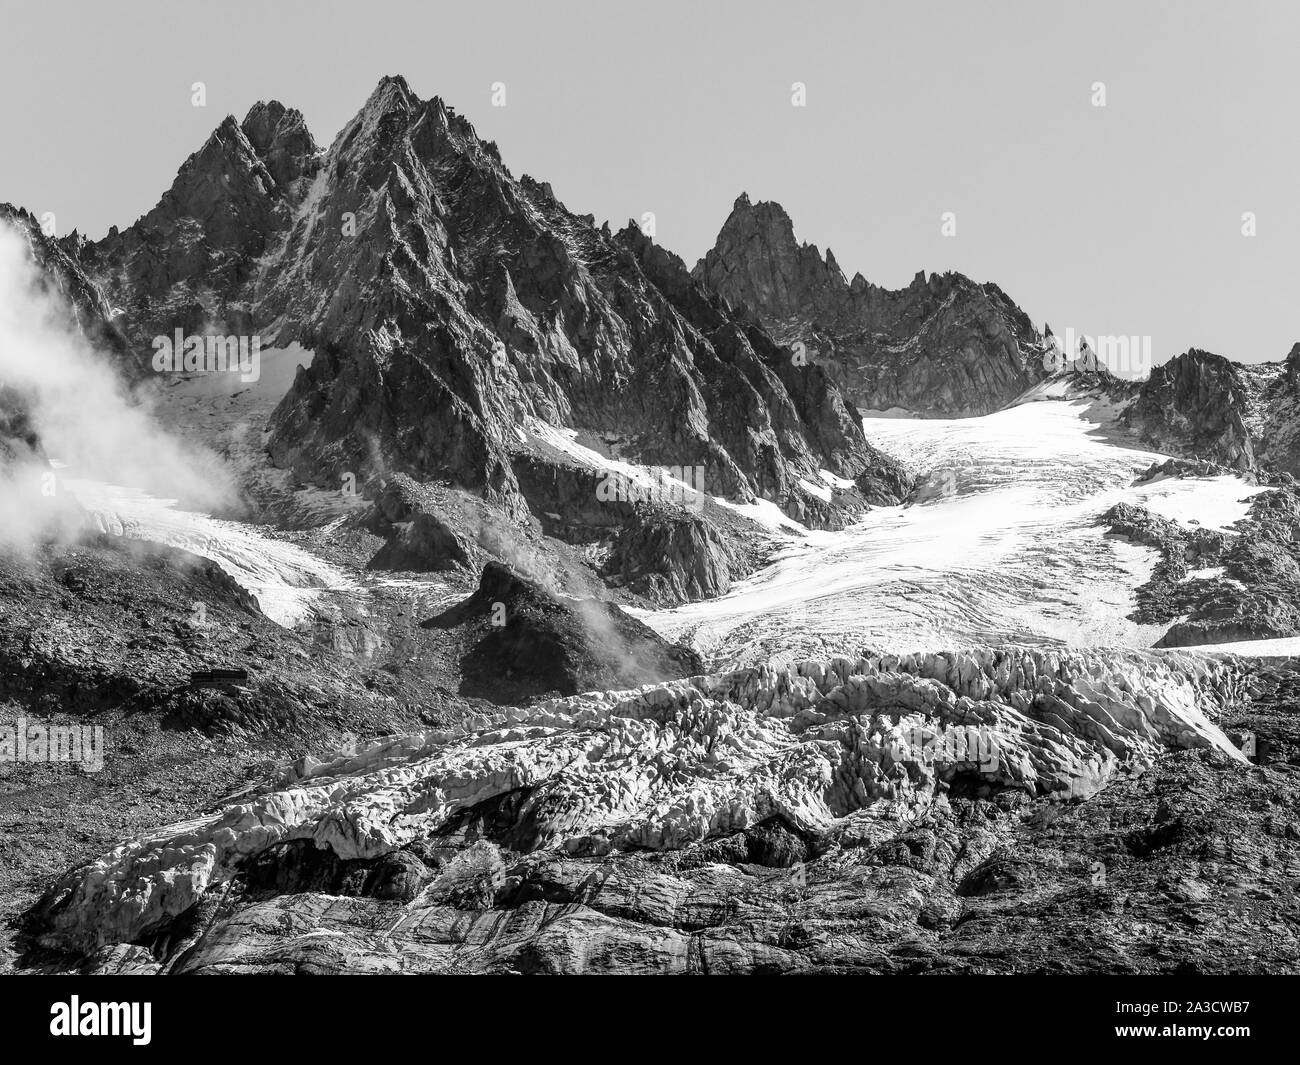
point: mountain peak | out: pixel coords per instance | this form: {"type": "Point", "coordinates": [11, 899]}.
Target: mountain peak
{"type": "Point", "coordinates": [758, 261]}
{"type": "Point", "coordinates": [390, 95]}
{"type": "Point", "coordinates": [907, 348]}
{"type": "Point", "coordinates": [270, 111]}
{"type": "Point", "coordinates": [228, 127]}
{"type": "Point", "coordinates": [394, 83]}
{"type": "Point", "coordinates": [281, 139]}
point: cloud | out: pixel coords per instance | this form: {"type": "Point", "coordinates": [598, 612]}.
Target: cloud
{"type": "Point", "coordinates": [63, 402]}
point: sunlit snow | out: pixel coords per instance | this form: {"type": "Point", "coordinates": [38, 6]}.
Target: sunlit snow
{"type": "Point", "coordinates": [1014, 553]}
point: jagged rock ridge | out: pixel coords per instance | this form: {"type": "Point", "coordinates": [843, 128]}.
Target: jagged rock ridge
{"type": "Point", "coordinates": [1244, 416]}
{"type": "Point", "coordinates": [448, 301]}
{"type": "Point", "coordinates": [944, 345]}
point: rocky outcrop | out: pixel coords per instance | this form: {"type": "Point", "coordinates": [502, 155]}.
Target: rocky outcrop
{"type": "Point", "coordinates": [1209, 410]}
{"type": "Point", "coordinates": [1169, 593]}
{"type": "Point", "coordinates": [1175, 467]}
{"type": "Point", "coordinates": [670, 557]}
{"type": "Point", "coordinates": [520, 641]}
{"type": "Point", "coordinates": [660, 539]}
{"type": "Point", "coordinates": [1252, 590]}
{"type": "Point", "coordinates": [943, 346]}
{"type": "Point", "coordinates": [1197, 403]}
{"type": "Point", "coordinates": [886, 483]}
{"type": "Point", "coordinates": [425, 530]}
{"type": "Point", "coordinates": [1258, 596]}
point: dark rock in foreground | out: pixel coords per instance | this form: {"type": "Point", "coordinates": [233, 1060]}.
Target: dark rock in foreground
{"type": "Point", "coordinates": [522, 641]}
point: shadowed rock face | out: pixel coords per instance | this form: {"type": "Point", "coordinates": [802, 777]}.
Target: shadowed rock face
{"type": "Point", "coordinates": [670, 557]}
{"type": "Point", "coordinates": [1244, 416]}
{"type": "Point", "coordinates": [521, 641]}
{"type": "Point", "coordinates": [1196, 402]}
{"type": "Point", "coordinates": [943, 346]}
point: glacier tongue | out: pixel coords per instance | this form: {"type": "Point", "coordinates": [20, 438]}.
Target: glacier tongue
{"type": "Point", "coordinates": [284, 578]}
{"type": "Point", "coordinates": [1004, 548]}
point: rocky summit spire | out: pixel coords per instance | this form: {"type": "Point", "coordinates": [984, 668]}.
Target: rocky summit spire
{"type": "Point", "coordinates": [757, 261]}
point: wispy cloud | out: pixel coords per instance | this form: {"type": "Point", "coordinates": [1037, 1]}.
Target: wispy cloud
{"type": "Point", "coordinates": [84, 416]}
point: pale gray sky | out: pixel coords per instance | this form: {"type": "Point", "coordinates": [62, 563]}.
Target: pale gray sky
{"type": "Point", "coordinates": [1123, 219]}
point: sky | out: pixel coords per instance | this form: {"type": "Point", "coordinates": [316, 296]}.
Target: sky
{"type": "Point", "coordinates": [1124, 219]}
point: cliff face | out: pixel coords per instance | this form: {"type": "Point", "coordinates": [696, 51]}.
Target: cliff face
{"type": "Point", "coordinates": [64, 276]}
{"type": "Point", "coordinates": [943, 346]}
{"type": "Point", "coordinates": [1276, 424]}
{"type": "Point", "coordinates": [1196, 402]}
{"type": "Point", "coordinates": [1244, 416]}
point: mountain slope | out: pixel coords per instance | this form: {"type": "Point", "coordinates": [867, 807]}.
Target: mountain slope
{"type": "Point", "coordinates": [63, 274]}
{"type": "Point", "coordinates": [502, 379]}
{"type": "Point", "coordinates": [449, 302]}
{"type": "Point", "coordinates": [455, 315]}
{"type": "Point", "coordinates": [942, 346]}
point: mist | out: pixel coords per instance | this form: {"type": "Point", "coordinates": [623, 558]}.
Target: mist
{"type": "Point", "coordinates": [66, 412]}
